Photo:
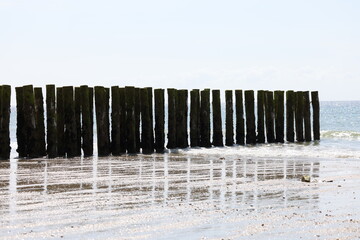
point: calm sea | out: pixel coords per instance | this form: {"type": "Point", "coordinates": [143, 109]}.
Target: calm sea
{"type": "Point", "coordinates": [340, 138]}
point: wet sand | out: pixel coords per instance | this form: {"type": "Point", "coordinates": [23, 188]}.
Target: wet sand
{"type": "Point", "coordinates": [179, 196]}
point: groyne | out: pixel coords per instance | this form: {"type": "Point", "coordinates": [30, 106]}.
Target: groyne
{"type": "Point", "coordinates": [131, 120]}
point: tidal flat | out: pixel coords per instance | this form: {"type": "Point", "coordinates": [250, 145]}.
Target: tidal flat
{"type": "Point", "coordinates": [180, 196]}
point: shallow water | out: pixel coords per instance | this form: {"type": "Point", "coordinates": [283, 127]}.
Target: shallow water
{"type": "Point", "coordinates": [170, 196]}
{"type": "Point", "coordinates": [239, 192]}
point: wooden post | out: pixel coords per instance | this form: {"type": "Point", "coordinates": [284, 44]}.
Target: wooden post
{"type": "Point", "coordinates": [269, 116]}
{"type": "Point", "coordinates": [137, 102]}
{"type": "Point", "coordinates": [51, 122]}
{"type": "Point", "coordinates": [260, 116]}
{"type": "Point", "coordinates": [205, 118]}
{"type": "Point", "coordinates": [20, 127]}
{"type": "Point", "coordinates": [70, 122]}
{"type": "Point", "coordinates": [240, 123]}
{"type": "Point", "coordinates": [159, 120]}
{"type": "Point", "coordinates": [40, 122]}
{"type": "Point", "coordinates": [307, 116]}
{"type": "Point", "coordinates": [123, 128]}
{"type": "Point", "coordinates": [107, 108]}
{"type": "Point", "coordinates": [279, 115]}
{"type": "Point", "coordinates": [130, 120]}
{"type": "Point", "coordinates": [5, 96]}
{"type": "Point", "coordinates": [229, 141]}
{"type": "Point", "coordinates": [290, 106]}
{"type": "Point", "coordinates": [146, 127]}
{"type": "Point", "coordinates": [150, 100]}
{"type": "Point", "coordinates": [195, 118]}
{"type": "Point", "coordinates": [217, 123]}
{"type": "Point", "coordinates": [299, 117]}
{"type": "Point", "coordinates": [172, 95]}
{"type": "Point", "coordinates": [115, 121]}
{"type": "Point", "coordinates": [102, 120]}
{"type": "Point", "coordinates": [92, 117]}
{"type": "Point", "coordinates": [77, 102]}
{"type": "Point", "coordinates": [2, 123]}
{"type": "Point", "coordinates": [316, 114]}
{"type": "Point", "coordinates": [60, 122]}
{"type": "Point", "coordinates": [182, 115]}
{"type": "Point", "coordinates": [87, 120]}
{"type": "Point", "coordinates": [145, 123]}
{"type": "Point", "coordinates": [30, 121]}
{"type": "Point", "coordinates": [250, 117]}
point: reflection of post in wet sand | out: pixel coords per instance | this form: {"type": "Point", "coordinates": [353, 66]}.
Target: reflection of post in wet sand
{"type": "Point", "coordinates": [153, 179]}
{"type": "Point", "coordinates": [150, 180]}
{"type": "Point", "coordinates": [188, 180]}
{"type": "Point", "coordinates": [166, 180]}
{"type": "Point", "coordinates": [12, 187]}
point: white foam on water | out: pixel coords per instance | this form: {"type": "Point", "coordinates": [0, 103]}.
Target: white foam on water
{"type": "Point", "coordinates": [346, 135]}
{"type": "Point", "coordinates": [327, 148]}
{"type": "Point", "coordinates": [287, 150]}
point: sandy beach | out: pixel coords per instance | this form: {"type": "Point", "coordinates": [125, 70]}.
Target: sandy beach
{"type": "Point", "coordinates": [179, 196]}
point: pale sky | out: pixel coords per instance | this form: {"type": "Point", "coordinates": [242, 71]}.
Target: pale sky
{"type": "Point", "coordinates": [253, 44]}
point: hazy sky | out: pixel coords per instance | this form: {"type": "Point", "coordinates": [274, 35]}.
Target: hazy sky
{"type": "Point", "coordinates": [253, 44]}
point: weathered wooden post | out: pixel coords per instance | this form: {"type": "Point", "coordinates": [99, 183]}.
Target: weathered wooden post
{"type": "Point", "coordinates": [40, 122]}
{"type": "Point", "coordinates": [5, 96]}
{"type": "Point", "coordinates": [137, 107]}
{"type": "Point", "coordinates": [182, 116]}
{"type": "Point", "coordinates": [123, 119]}
{"type": "Point", "coordinates": [159, 120]}
{"type": "Point", "coordinates": [150, 100]}
{"type": "Point", "coordinates": [299, 117]}
{"type": "Point", "coordinates": [229, 141]}
{"type": "Point", "coordinates": [130, 120]}
{"type": "Point", "coordinates": [316, 114]}
{"type": "Point", "coordinates": [77, 105]}
{"type": "Point", "coordinates": [195, 118]}
{"type": "Point", "coordinates": [115, 121]}
{"type": "Point", "coordinates": [87, 120]}
{"type": "Point", "coordinates": [269, 116]}
{"type": "Point", "coordinates": [205, 118]}
{"type": "Point", "coordinates": [51, 122]}
{"type": "Point", "coordinates": [290, 106]}
{"type": "Point", "coordinates": [172, 95]}
{"type": "Point", "coordinates": [102, 120]}
{"type": "Point", "coordinates": [260, 116]}
{"type": "Point", "coordinates": [217, 123]}
{"type": "Point", "coordinates": [60, 122]}
{"type": "Point", "coordinates": [70, 122]}
{"type": "Point", "coordinates": [250, 117]}
{"type": "Point", "coordinates": [146, 127]}
{"type": "Point", "coordinates": [107, 107]}
{"type": "Point", "coordinates": [20, 119]}
{"type": "Point", "coordinates": [240, 122]}
{"type": "Point", "coordinates": [279, 116]}
{"type": "Point", "coordinates": [30, 121]}
{"type": "Point", "coordinates": [307, 116]}
{"type": "Point", "coordinates": [91, 105]}
{"type": "Point", "coordinates": [2, 132]}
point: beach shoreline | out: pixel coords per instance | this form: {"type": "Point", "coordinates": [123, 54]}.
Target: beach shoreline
{"type": "Point", "coordinates": [178, 196]}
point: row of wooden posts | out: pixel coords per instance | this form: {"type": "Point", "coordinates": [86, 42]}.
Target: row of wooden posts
{"type": "Point", "coordinates": [70, 111]}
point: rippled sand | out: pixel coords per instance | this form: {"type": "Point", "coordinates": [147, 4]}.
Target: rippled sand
{"type": "Point", "coordinates": [179, 196]}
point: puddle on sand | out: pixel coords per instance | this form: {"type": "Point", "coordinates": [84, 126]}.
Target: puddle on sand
{"type": "Point", "coordinates": [153, 196]}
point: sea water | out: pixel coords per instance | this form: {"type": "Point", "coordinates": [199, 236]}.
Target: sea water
{"type": "Point", "coordinates": [340, 137]}
{"type": "Point", "coordinates": [195, 193]}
